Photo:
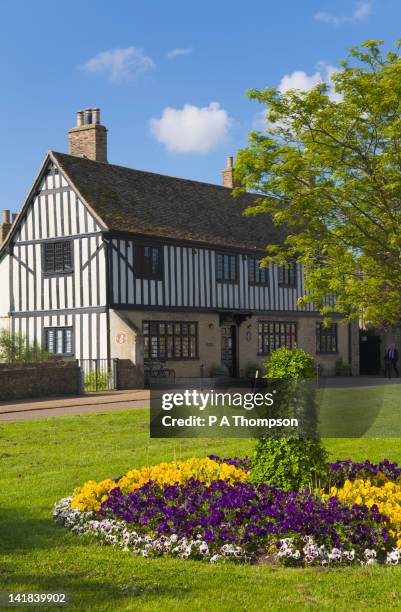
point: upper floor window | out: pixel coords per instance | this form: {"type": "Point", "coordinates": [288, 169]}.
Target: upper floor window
{"type": "Point", "coordinates": [58, 340]}
{"type": "Point", "coordinates": [256, 274]}
{"type": "Point", "coordinates": [57, 257]}
{"type": "Point", "coordinates": [149, 262]}
{"type": "Point", "coordinates": [287, 275]}
{"type": "Point", "coordinates": [227, 268]}
{"type": "Point", "coordinates": [326, 338]}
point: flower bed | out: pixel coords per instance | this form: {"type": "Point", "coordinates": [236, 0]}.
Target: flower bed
{"type": "Point", "coordinates": [207, 509]}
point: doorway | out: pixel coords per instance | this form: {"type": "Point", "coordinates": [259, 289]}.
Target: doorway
{"type": "Point", "coordinates": [369, 355]}
{"type": "Point", "coordinates": [229, 348]}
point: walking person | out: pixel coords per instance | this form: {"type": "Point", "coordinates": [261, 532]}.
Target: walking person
{"type": "Point", "coordinates": [390, 361]}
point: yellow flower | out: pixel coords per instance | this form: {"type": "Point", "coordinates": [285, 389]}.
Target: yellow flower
{"type": "Point", "coordinates": [385, 494]}
{"type": "Point", "coordinates": [92, 494]}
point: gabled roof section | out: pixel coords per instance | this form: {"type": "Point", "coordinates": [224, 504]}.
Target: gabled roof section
{"type": "Point", "coordinates": [146, 203]}
{"type": "Point", "coordinates": [27, 201]}
{"type": "Point", "coordinates": [47, 163]}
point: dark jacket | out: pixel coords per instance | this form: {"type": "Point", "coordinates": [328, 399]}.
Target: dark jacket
{"type": "Point", "coordinates": [394, 358]}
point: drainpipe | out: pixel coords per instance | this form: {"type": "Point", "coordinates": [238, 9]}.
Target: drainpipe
{"type": "Point", "coordinates": [350, 346]}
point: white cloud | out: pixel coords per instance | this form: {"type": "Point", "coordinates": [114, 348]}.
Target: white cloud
{"type": "Point", "coordinates": [191, 129]}
{"type": "Point", "coordinates": [177, 52]}
{"type": "Point", "coordinates": [361, 12]}
{"type": "Point", "coordinates": [119, 64]}
{"type": "Point", "coordinates": [299, 79]}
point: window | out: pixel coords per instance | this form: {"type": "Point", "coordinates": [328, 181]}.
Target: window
{"type": "Point", "coordinates": [149, 262]}
{"type": "Point", "coordinates": [170, 340]}
{"type": "Point", "coordinates": [58, 340]}
{"type": "Point", "coordinates": [287, 275]}
{"type": "Point", "coordinates": [326, 338]}
{"type": "Point", "coordinates": [256, 274]}
{"type": "Point", "coordinates": [57, 257]}
{"type": "Point", "coordinates": [227, 268]}
{"type": "Point", "coordinates": [273, 334]}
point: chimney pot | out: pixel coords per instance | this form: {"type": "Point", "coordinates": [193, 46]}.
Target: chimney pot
{"type": "Point", "coordinates": [96, 116]}
{"type": "Point", "coordinates": [80, 118]}
{"type": "Point", "coordinates": [228, 173]}
{"type": "Point", "coordinates": [88, 116]}
{"type": "Point", "coordinates": [6, 216]}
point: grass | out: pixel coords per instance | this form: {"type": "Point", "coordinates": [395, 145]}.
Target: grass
{"type": "Point", "coordinates": [43, 460]}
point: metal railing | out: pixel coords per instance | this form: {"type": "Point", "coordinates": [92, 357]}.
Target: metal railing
{"type": "Point", "coordinates": [98, 374]}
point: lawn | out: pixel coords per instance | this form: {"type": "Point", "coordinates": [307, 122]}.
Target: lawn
{"type": "Point", "coordinates": [43, 460]}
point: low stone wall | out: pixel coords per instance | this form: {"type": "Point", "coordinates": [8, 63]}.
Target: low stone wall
{"type": "Point", "coordinates": [32, 380]}
{"type": "Point", "coordinates": [129, 376]}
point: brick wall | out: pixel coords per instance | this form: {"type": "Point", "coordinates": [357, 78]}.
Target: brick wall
{"type": "Point", "coordinates": [37, 380]}
{"type": "Point", "coordinates": [90, 141]}
{"type": "Point", "coordinates": [129, 376]}
{"type": "Point", "coordinates": [210, 340]}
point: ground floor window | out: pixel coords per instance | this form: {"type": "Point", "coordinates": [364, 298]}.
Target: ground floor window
{"type": "Point", "coordinates": [58, 340]}
{"type": "Point", "coordinates": [326, 339]}
{"type": "Point", "coordinates": [273, 334]}
{"type": "Point", "coordinates": [170, 340]}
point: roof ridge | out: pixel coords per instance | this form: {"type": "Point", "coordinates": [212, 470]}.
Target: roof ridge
{"type": "Point", "coordinates": [166, 176]}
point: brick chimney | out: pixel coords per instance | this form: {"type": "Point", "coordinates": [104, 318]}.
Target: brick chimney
{"type": "Point", "coordinates": [5, 226]}
{"type": "Point", "coordinates": [88, 138]}
{"type": "Point", "coordinates": [228, 174]}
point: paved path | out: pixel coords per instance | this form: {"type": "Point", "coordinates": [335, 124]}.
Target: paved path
{"type": "Point", "coordinates": [93, 402]}
{"type": "Point", "coordinates": [120, 400]}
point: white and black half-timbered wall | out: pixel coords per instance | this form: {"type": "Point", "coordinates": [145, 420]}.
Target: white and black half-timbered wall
{"type": "Point", "coordinates": [56, 269]}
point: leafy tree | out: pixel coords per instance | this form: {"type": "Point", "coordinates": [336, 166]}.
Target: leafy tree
{"type": "Point", "coordinates": [328, 170]}
{"type": "Point", "coordinates": [14, 347]}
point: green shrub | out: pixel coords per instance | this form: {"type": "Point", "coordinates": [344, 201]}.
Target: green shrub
{"type": "Point", "coordinates": [290, 463]}
{"type": "Point", "coordinates": [97, 380]}
{"type": "Point", "coordinates": [290, 363]}
{"type": "Point", "coordinates": [15, 348]}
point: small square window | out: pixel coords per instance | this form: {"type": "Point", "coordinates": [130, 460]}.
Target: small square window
{"type": "Point", "coordinates": [287, 275]}
{"type": "Point", "coordinates": [226, 268]}
{"type": "Point", "coordinates": [57, 257]}
{"type": "Point", "coordinates": [326, 339]}
{"type": "Point", "coordinates": [149, 262]}
{"type": "Point", "coordinates": [59, 340]}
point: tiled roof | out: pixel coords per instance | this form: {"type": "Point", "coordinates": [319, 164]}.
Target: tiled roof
{"type": "Point", "coordinates": [134, 201]}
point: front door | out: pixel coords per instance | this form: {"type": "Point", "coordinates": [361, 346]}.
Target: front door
{"type": "Point", "coordinates": [229, 348]}
{"type": "Point", "coordinates": [369, 355]}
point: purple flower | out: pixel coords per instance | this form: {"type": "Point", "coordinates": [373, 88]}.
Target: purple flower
{"type": "Point", "coordinates": [243, 514]}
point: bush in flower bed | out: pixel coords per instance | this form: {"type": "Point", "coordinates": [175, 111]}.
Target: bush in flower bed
{"type": "Point", "coordinates": [215, 518]}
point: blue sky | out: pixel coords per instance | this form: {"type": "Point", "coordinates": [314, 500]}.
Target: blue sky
{"type": "Point", "coordinates": [169, 77]}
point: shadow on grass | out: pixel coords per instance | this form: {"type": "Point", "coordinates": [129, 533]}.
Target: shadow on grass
{"type": "Point", "coordinates": [82, 590]}
{"type": "Point", "coordinates": [59, 561]}
{"type": "Point", "coordinates": [20, 531]}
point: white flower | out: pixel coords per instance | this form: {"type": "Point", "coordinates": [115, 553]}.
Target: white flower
{"type": "Point", "coordinates": [370, 553]}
